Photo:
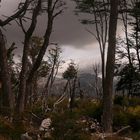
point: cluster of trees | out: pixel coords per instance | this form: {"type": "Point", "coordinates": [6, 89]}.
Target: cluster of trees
{"type": "Point", "coordinates": [125, 56]}
{"type": "Point", "coordinates": [19, 82]}
{"type": "Point", "coordinates": [127, 51]}
{"type": "Point", "coordinates": [105, 19]}
{"type": "Point", "coordinates": [33, 49]}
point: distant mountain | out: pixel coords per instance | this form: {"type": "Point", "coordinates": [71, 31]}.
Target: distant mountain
{"type": "Point", "coordinates": [87, 82]}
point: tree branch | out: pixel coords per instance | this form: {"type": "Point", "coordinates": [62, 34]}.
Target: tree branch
{"type": "Point", "coordinates": [16, 15]}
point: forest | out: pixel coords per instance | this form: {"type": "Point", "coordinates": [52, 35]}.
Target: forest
{"type": "Point", "coordinates": [45, 97]}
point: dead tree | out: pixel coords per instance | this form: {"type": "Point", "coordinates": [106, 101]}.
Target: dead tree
{"type": "Point", "coordinates": [96, 68]}
{"type": "Point", "coordinates": [23, 74]}
{"type": "Point", "coordinates": [7, 94]}
{"type": "Point", "coordinates": [55, 62]}
{"type": "Point", "coordinates": [53, 9]}
{"type": "Point", "coordinates": [6, 81]}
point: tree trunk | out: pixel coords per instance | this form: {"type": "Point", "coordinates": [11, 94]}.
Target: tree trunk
{"type": "Point", "coordinates": [23, 75]}
{"type": "Point", "coordinates": [137, 41]}
{"type": "Point", "coordinates": [108, 91]}
{"type": "Point", "coordinates": [23, 78]}
{"type": "Point", "coordinates": [72, 95]}
{"type": "Point", "coordinates": [7, 95]}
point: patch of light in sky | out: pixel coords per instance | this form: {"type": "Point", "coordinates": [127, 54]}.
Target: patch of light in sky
{"type": "Point", "coordinates": [8, 7]}
{"type": "Point", "coordinates": [84, 57]}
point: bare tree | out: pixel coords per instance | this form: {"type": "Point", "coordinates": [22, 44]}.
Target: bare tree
{"type": "Point", "coordinates": [54, 60]}
{"type": "Point", "coordinates": [23, 74]}
{"type": "Point", "coordinates": [6, 81]}
{"type": "Point", "coordinates": [71, 75]}
{"type": "Point", "coordinates": [96, 69]}
{"type": "Point", "coordinates": [100, 12]}
{"type": "Point", "coordinates": [8, 96]}
{"type": "Point", "coordinates": [53, 8]}
{"type": "Point", "coordinates": [105, 19]}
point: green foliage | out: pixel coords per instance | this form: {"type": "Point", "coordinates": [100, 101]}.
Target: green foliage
{"type": "Point", "coordinates": [120, 118]}
{"type": "Point", "coordinates": [10, 130]}
{"type": "Point", "coordinates": [129, 79]}
{"type": "Point", "coordinates": [129, 116]}
{"type": "Point", "coordinates": [136, 135]}
{"type": "Point", "coordinates": [126, 102]}
{"type": "Point", "coordinates": [43, 69]}
{"type": "Point", "coordinates": [127, 112]}
{"type": "Point", "coordinates": [71, 72]}
{"type": "Point", "coordinates": [85, 5]}
{"type": "Point", "coordinates": [66, 127]}
{"type": "Point", "coordinates": [37, 109]}
{"type": "Point", "coordinates": [91, 109]}
{"type": "Point", "coordinates": [54, 55]}
{"type": "Point", "coordinates": [134, 117]}
{"type": "Point", "coordinates": [67, 124]}
{"type": "Point", "coordinates": [35, 46]}
{"type": "Point", "coordinates": [135, 101]}
{"type": "Point", "coordinates": [63, 105]}
{"type": "Point", "coordinates": [5, 126]}
{"type": "Point", "coordinates": [122, 101]}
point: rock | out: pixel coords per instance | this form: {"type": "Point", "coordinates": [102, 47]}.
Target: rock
{"type": "Point", "coordinates": [26, 136]}
{"type": "Point", "coordinates": [45, 125]}
{"type": "Point", "coordinates": [30, 136]}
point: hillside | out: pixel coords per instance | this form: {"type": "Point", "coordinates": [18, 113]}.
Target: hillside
{"type": "Point", "coordinates": [87, 82]}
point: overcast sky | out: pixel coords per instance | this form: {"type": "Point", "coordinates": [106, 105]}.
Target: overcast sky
{"type": "Point", "coordinates": [75, 41]}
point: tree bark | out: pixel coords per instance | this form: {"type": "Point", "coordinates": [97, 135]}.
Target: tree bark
{"type": "Point", "coordinates": [108, 91]}
{"type": "Point", "coordinates": [7, 94]}
{"type": "Point", "coordinates": [72, 95]}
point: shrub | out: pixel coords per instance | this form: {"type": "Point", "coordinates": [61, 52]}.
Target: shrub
{"type": "Point", "coordinates": [131, 116]}
{"type": "Point", "coordinates": [5, 126]}
{"type": "Point", "coordinates": [93, 110]}
{"type": "Point", "coordinates": [134, 117]}
{"type": "Point", "coordinates": [134, 102]}
{"type": "Point", "coordinates": [122, 101]}
{"type": "Point", "coordinates": [9, 130]}
{"type": "Point", "coordinates": [120, 119]}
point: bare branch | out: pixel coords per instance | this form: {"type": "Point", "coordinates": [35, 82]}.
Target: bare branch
{"type": "Point", "coordinates": [22, 26]}
{"type": "Point", "coordinates": [58, 13]}
{"type": "Point", "coordinates": [16, 15]}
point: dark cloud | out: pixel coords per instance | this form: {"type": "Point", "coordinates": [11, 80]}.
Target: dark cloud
{"type": "Point", "coordinates": [67, 29]}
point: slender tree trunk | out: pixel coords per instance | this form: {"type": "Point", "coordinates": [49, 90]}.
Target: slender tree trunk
{"type": "Point", "coordinates": [125, 22]}
{"type": "Point", "coordinates": [23, 77]}
{"type": "Point", "coordinates": [80, 90]}
{"type": "Point", "coordinates": [108, 91]}
{"type": "Point", "coordinates": [72, 95]}
{"type": "Point", "coordinates": [103, 74]}
{"type": "Point", "coordinates": [8, 96]}
{"type": "Point", "coordinates": [137, 42]}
